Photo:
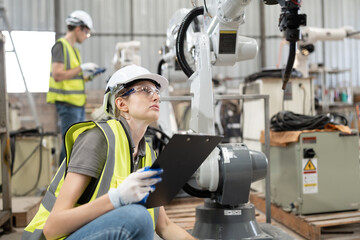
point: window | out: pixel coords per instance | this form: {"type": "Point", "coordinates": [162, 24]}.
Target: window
{"type": "Point", "coordinates": [34, 52]}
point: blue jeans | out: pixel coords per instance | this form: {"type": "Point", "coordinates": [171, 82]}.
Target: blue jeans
{"type": "Point", "coordinates": [127, 222]}
{"type": "Point", "coordinates": [68, 115]}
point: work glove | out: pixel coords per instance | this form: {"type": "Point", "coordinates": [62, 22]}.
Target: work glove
{"type": "Point", "coordinates": [89, 67]}
{"type": "Point", "coordinates": [135, 188]}
{"type": "Point", "coordinates": [91, 76]}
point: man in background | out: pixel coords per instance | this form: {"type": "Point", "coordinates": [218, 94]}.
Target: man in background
{"type": "Point", "coordinates": [68, 74]}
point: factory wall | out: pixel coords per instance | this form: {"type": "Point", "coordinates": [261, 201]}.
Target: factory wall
{"type": "Point", "coordinates": [147, 21]}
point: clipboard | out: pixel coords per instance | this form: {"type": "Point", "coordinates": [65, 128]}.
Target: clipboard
{"type": "Point", "coordinates": [181, 157]}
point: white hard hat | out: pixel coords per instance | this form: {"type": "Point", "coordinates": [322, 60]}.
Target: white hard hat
{"type": "Point", "coordinates": [124, 76]}
{"type": "Point", "coordinates": [79, 18]}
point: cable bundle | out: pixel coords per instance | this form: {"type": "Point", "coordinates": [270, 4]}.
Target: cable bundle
{"type": "Point", "coordinates": [289, 121]}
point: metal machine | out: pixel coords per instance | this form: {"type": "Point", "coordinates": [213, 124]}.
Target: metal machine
{"type": "Point", "coordinates": [317, 174]}
{"type": "Point", "coordinates": [34, 162]}
{"type": "Point", "coordinates": [126, 53]}
{"type": "Point", "coordinates": [168, 65]}
{"type": "Point", "coordinates": [226, 175]}
{"type": "Point", "coordinates": [311, 35]}
{"type": "Point", "coordinates": [297, 97]}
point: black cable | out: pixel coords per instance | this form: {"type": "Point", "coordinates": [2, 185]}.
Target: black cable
{"type": "Point", "coordinates": [158, 142]}
{"type": "Point", "coordinates": [181, 37]}
{"type": "Point", "coordinates": [26, 160]}
{"type": "Point", "coordinates": [161, 62]}
{"type": "Point", "coordinates": [196, 192]}
{"type": "Point", "coordinates": [289, 121]}
{"type": "Point", "coordinates": [40, 168]}
{"type": "Point", "coordinates": [271, 73]}
{"type": "Point", "coordinates": [353, 33]}
{"type": "Point", "coordinates": [290, 64]}
{"type": "Point", "coordinates": [159, 131]}
{"type": "Point", "coordinates": [304, 96]}
{"type": "Point", "coordinates": [206, 9]}
{"type": "Point", "coordinates": [22, 132]}
{"type": "Point", "coordinates": [13, 135]}
{"type": "Point", "coordinates": [28, 132]}
{"type": "Point", "coordinates": [12, 150]}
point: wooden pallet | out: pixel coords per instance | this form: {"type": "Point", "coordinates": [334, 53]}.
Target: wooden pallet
{"type": "Point", "coordinates": [182, 211]}
{"type": "Point", "coordinates": [314, 226]}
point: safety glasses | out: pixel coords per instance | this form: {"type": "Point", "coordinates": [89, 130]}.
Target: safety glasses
{"type": "Point", "coordinates": [86, 31]}
{"type": "Point", "coordinates": [148, 91]}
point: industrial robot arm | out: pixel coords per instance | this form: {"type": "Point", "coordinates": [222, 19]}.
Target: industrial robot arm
{"type": "Point", "coordinates": [311, 35]}
{"type": "Point", "coordinates": [126, 53]}
{"type": "Point", "coordinates": [219, 44]}
{"type": "Point", "coordinates": [227, 173]}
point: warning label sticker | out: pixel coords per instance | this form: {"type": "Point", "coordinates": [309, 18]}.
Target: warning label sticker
{"type": "Point", "coordinates": [310, 176]}
{"type": "Point", "coordinates": [309, 165]}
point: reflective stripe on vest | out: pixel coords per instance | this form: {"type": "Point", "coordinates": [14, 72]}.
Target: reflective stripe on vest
{"type": "Point", "coordinates": [116, 169]}
{"type": "Point", "coordinates": [109, 167]}
{"type": "Point", "coordinates": [71, 90]}
{"type": "Point", "coordinates": [109, 128]}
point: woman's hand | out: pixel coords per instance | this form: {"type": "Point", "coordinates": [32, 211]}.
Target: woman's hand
{"type": "Point", "coordinates": [135, 188]}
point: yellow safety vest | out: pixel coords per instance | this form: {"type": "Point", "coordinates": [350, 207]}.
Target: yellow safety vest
{"type": "Point", "coordinates": [71, 90]}
{"type": "Point", "coordinates": [116, 169]}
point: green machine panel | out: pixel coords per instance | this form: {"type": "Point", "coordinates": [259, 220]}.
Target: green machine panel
{"type": "Point", "coordinates": [319, 173]}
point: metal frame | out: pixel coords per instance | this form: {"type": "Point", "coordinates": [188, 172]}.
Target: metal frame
{"type": "Point", "coordinates": [5, 213]}
{"type": "Point", "coordinates": [267, 133]}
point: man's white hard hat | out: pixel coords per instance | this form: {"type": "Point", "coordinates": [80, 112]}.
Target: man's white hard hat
{"type": "Point", "coordinates": [79, 18]}
{"type": "Point", "coordinates": [124, 76]}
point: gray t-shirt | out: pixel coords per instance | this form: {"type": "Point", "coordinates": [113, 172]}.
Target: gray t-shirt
{"type": "Point", "coordinates": [89, 151]}
{"type": "Point", "coordinates": [88, 156]}
{"type": "Point", "coordinates": [57, 53]}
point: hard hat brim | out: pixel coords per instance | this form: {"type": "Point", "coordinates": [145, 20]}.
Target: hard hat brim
{"type": "Point", "coordinates": [162, 81]}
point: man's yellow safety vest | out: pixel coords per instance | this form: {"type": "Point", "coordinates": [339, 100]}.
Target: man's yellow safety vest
{"type": "Point", "coordinates": [115, 170]}
{"type": "Point", "coordinates": [71, 90]}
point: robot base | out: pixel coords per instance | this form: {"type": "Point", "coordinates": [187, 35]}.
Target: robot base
{"type": "Point", "coordinates": [214, 221]}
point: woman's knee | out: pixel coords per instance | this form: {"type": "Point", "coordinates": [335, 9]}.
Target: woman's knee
{"type": "Point", "coordinates": [139, 223]}
{"type": "Point", "coordinates": [141, 215]}
{"type": "Point", "coordinates": [129, 222]}
{"type": "Point", "coordinates": [133, 215]}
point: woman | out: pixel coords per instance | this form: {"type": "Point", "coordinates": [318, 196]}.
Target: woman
{"type": "Point", "coordinates": [95, 192]}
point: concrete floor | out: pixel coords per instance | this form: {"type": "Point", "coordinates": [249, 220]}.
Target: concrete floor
{"type": "Point", "coordinates": [15, 235]}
